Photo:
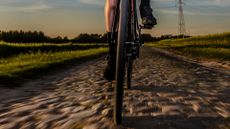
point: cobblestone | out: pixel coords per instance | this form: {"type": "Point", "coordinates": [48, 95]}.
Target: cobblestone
{"type": "Point", "coordinates": [166, 93]}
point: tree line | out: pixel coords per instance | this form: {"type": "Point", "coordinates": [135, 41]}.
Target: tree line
{"type": "Point", "coordinates": [40, 37]}
{"type": "Point", "coordinates": [29, 37]}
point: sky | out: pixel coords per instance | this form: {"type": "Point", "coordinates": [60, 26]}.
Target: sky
{"type": "Point", "coordinates": [72, 17]}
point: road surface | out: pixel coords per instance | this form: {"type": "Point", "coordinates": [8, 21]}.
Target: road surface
{"type": "Point", "coordinates": [167, 93]}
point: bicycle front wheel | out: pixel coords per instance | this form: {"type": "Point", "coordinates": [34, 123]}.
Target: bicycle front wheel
{"type": "Point", "coordinates": [120, 61]}
{"type": "Point", "coordinates": [129, 72]}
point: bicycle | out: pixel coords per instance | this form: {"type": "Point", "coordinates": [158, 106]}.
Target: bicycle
{"type": "Point", "coordinates": [128, 46]}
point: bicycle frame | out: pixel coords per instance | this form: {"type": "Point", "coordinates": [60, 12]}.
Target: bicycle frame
{"type": "Point", "coordinates": [134, 15]}
{"type": "Point", "coordinates": [134, 28]}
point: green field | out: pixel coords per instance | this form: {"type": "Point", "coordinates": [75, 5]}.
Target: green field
{"type": "Point", "coordinates": [21, 62]}
{"type": "Point", "coordinates": [211, 47]}
{"type": "Point", "coordinates": [11, 49]}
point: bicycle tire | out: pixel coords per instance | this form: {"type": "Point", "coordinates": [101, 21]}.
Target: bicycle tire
{"type": "Point", "coordinates": [120, 62]}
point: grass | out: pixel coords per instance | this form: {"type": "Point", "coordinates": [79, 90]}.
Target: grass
{"type": "Point", "coordinates": [12, 49]}
{"type": "Point", "coordinates": [210, 47]}
{"type": "Point", "coordinates": [29, 65]}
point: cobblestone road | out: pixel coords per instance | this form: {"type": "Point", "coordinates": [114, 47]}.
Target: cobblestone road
{"type": "Point", "coordinates": [167, 93]}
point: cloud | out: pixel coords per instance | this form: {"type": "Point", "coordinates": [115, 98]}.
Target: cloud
{"type": "Point", "coordinates": [194, 7]}
{"type": "Point", "coordinates": [214, 3]}
{"type": "Point", "coordinates": [23, 6]}
{"type": "Point", "coordinates": [93, 2]}
{"type": "Point", "coordinates": [192, 12]}
{"type": "Point", "coordinates": [35, 7]}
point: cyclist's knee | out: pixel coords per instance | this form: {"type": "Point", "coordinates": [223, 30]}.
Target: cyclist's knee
{"type": "Point", "coordinates": [112, 4]}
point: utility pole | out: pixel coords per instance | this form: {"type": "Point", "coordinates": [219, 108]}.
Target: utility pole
{"type": "Point", "coordinates": [181, 21]}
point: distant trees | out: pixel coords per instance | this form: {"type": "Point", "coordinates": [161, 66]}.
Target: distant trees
{"type": "Point", "coordinates": [90, 38]}
{"type": "Point", "coordinates": [21, 36]}
{"type": "Point", "coordinates": [39, 37]}
{"type": "Point", "coordinates": [29, 37]}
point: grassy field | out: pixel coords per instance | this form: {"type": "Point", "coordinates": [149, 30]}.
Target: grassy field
{"type": "Point", "coordinates": [28, 61]}
{"type": "Point", "coordinates": [11, 49]}
{"type": "Point", "coordinates": [211, 47]}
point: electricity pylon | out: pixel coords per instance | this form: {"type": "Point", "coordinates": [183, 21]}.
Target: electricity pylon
{"type": "Point", "coordinates": [181, 21]}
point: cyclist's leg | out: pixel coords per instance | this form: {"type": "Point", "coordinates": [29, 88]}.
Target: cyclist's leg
{"type": "Point", "coordinates": [146, 13]}
{"type": "Point", "coordinates": [110, 7]}
{"type": "Point", "coordinates": [145, 2]}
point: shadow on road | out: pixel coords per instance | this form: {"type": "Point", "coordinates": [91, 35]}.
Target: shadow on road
{"type": "Point", "coordinates": [174, 122]}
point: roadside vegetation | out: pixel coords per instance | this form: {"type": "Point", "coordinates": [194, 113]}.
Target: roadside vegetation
{"type": "Point", "coordinates": [19, 36]}
{"type": "Point", "coordinates": [13, 49]}
{"type": "Point", "coordinates": [214, 47]}
{"type": "Point", "coordinates": [22, 62]}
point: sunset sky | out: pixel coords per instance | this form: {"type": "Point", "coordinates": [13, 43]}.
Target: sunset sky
{"type": "Point", "coordinates": [71, 17]}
